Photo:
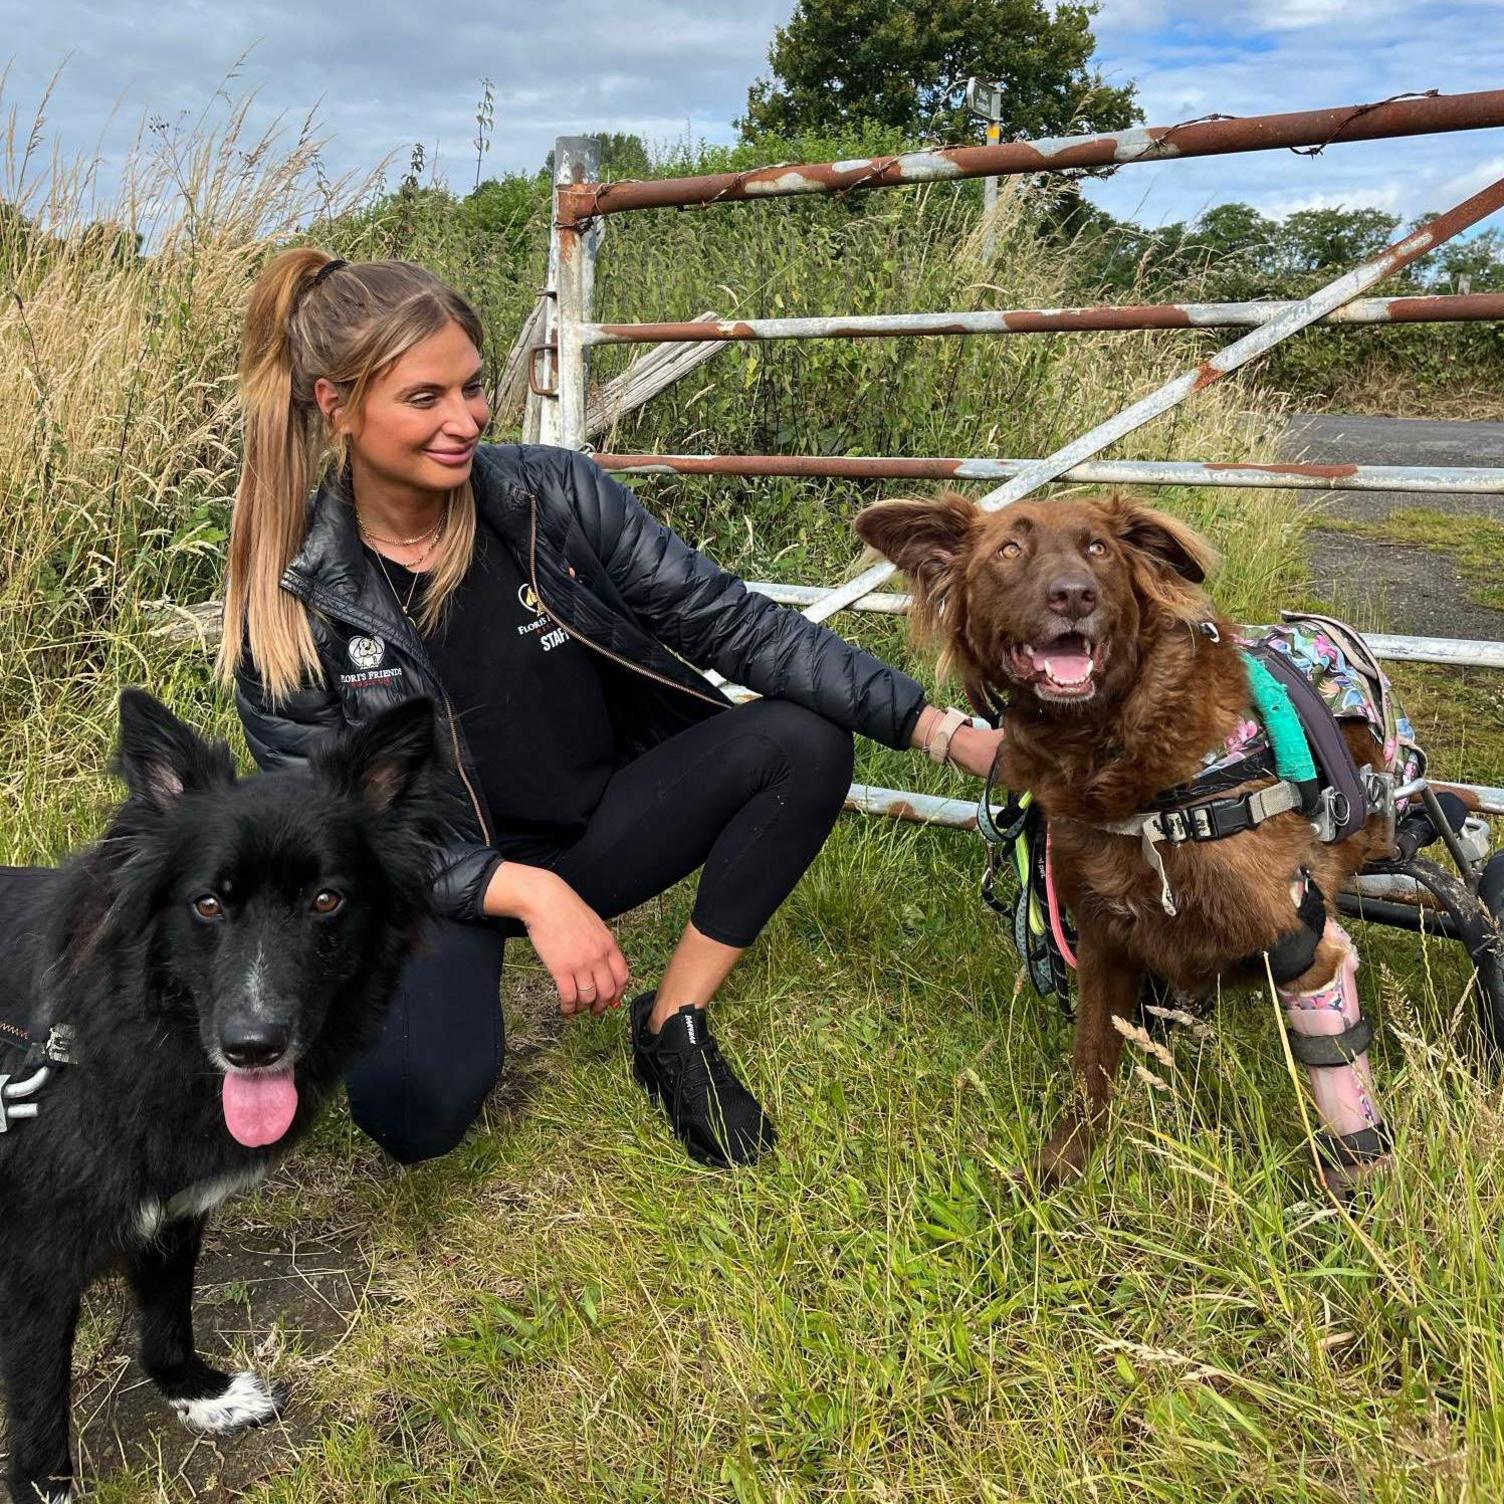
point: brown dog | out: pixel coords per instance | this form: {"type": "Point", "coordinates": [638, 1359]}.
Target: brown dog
{"type": "Point", "coordinates": [1120, 676]}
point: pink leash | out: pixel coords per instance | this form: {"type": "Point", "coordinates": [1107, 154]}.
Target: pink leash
{"type": "Point", "coordinates": [1052, 904]}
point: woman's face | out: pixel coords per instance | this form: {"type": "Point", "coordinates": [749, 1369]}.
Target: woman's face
{"type": "Point", "coordinates": [422, 416]}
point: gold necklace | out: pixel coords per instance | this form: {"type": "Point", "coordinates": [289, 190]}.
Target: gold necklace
{"type": "Point", "coordinates": [365, 532]}
{"type": "Point", "coordinates": [405, 606]}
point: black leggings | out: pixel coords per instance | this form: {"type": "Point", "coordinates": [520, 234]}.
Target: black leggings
{"type": "Point", "coordinates": [749, 795]}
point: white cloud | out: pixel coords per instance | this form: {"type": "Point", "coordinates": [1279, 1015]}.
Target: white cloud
{"type": "Point", "coordinates": [1293, 14]}
{"type": "Point", "coordinates": [1473, 180]}
{"type": "Point", "coordinates": [388, 74]}
{"type": "Point", "coordinates": [1390, 197]}
{"type": "Point", "coordinates": [1194, 57]}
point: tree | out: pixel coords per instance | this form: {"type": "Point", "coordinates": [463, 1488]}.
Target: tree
{"type": "Point", "coordinates": [1236, 232]}
{"type": "Point", "coordinates": [1472, 262]}
{"type": "Point", "coordinates": [903, 64]}
{"type": "Point", "coordinates": [1314, 240]}
{"type": "Point", "coordinates": [508, 211]}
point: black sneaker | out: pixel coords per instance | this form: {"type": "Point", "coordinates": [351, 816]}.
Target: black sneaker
{"type": "Point", "coordinates": [712, 1112]}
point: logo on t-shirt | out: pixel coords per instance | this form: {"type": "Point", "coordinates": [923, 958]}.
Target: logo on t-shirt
{"type": "Point", "coordinates": [549, 636]}
{"type": "Point", "coordinates": [367, 652]}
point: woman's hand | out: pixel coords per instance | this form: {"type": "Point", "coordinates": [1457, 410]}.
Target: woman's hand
{"type": "Point", "coordinates": [571, 939]}
{"type": "Point", "coordinates": [975, 751]}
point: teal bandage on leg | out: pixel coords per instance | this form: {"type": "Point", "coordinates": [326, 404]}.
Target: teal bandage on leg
{"type": "Point", "coordinates": [1292, 753]}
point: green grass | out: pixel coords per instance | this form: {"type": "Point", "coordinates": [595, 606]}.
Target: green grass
{"type": "Point", "coordinates": [566, 1308]}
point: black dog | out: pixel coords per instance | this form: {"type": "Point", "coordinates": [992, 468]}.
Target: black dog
{"type": "Point", "coordinates": [209, 969]}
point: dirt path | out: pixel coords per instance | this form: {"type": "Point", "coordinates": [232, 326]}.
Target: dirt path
{"type": "Point", "coordinates": [1384, 583]}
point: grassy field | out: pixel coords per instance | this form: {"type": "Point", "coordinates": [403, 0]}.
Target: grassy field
{"type": "Point", "coordinates": [565, 1308]}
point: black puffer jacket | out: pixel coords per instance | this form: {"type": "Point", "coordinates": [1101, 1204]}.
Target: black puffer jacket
{"type": "Point", "coordinates": [612, 577]}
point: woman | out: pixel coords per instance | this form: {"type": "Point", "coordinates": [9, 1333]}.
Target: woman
{"type": "Point", "coordinates": [551, 618]}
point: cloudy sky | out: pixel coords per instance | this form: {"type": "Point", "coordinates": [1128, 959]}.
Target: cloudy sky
{"type": "Point", "coordinates": [384, 75]}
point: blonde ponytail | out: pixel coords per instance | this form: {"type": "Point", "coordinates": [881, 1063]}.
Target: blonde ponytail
{"type": "Point", "coordinates": [280, 458]}
{"type": "Point", "coordinates": [310, 317]}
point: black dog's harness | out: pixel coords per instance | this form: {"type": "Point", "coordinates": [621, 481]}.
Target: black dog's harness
{"type": "Point", "coordinates": [21, 1083]}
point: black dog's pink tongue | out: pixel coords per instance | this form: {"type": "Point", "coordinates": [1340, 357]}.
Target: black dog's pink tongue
{"type": "Point", "coordinates": [259, 1109]}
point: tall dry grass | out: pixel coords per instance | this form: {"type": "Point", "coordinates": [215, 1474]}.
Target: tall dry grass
{"type": "Point", "coordinates": [118, 446]}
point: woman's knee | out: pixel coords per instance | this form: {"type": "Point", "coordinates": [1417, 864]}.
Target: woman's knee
{"type": "Point", "coordinates": [420, 1114]}
{"type": "Point", "coordinates": [819, 753]}
{"type": "Point", "coordinates": [423, 1082]}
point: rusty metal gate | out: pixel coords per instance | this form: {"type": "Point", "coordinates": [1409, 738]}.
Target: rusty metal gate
{"type": "Point", "coordinates": [559, 370]}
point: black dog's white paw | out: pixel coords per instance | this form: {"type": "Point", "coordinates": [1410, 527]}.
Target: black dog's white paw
{"type": "Point", "coordinates": [247, 1401]}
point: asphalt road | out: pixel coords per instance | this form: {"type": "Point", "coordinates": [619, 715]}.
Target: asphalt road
{"type": "Point", "coordinates": [1392, 585]}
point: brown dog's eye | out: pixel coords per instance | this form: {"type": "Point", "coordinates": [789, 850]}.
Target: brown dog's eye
{"type": "Point", "coordinates": [208, 907]}
{"type": "Point", "coordinates": [327, 901]}
{"type": "Point", "coordinates": [1097, 549]}
{"type": "Point", "coordinates": [1010, 550]}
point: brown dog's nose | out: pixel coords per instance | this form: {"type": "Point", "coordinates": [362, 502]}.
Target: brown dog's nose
{"type": "Point", "coordinates": [1073, 595]}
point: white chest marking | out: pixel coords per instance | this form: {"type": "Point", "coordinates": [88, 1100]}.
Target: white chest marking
{"type": "Point", "coordinates": [196, 1201]}
{"type": "Point", "coordinates": [207, 1194]}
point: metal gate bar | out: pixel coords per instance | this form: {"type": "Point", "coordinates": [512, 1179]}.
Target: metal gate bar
{"type": "Point", "coordinates": [1422, 116]}
{"type": "Point", "coordinates": [1441, 309]}
{"type": "Point", "coordinates": [1456, 652]}
{"type": "Point", "coordinates": [556, 409]}
{"type": "Point", "coordinates": [1230, 358]}
{"type": "Point", "coordinates": [961, 814]}
{"type": "Point", "coordinates": [1474, 480]}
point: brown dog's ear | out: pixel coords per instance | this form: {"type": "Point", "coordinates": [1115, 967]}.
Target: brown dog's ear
{"type": "Point", "coordinates": [1162, 539]}
{"type": "Point", "coordinates": [925, 539]}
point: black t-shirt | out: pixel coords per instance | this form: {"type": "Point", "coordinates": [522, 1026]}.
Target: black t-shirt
{"type": "Point", "coordinates": [528, 699]}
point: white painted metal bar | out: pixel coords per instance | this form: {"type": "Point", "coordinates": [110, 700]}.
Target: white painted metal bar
{"type": "Point", "coordinates": [577, 159]}
{"type": "Point", "coordinates": [961, 814]}
{"type": "Point", "coordinates": [1443, 308]}
{"type": "Point", "coordinates": [1472, 480]}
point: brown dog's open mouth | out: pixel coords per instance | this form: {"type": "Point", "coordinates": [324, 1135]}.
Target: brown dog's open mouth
{"type": "Point", "coordinates": [1064, 669]}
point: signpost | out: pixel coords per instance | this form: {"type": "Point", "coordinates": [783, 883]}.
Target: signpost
{"type": "Point", "coordinates": [985, 101]}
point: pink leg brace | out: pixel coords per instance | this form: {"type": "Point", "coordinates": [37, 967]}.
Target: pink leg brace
{"type": "Point", "coordinates": [1330, 1037]}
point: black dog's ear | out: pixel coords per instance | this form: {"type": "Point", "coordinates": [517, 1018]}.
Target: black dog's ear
{"type": "Point", "coordinates": [161, 758]}
{"type": "Point", "coordinates": [1161, 538]}
{"type": "Point", "coordinates": [384, 760]}
{"type": "Point", "coordinates": [926, 539]}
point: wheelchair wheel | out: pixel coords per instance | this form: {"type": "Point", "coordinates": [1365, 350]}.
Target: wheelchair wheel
{"type": "Point", "coordinates": [1488, 951]}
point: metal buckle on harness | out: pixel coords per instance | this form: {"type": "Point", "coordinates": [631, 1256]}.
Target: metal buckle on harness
{"type": "Point", "coordinates": [1332, 810]}
{"type": "Point", "coordinates": [61, 1039]}
{"type": "Point", "coordinates": [1379, 789]}
{"type": "Point", "coordinates": [13, 1095]}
